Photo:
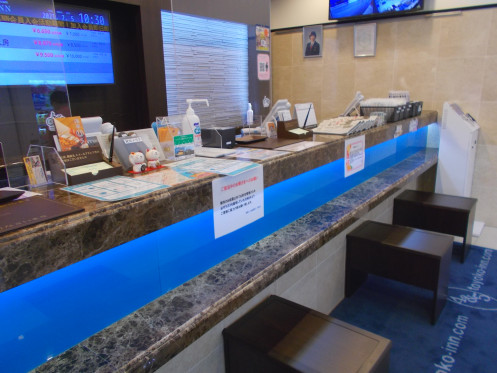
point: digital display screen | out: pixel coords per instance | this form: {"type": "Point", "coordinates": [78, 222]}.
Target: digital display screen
{"type": "Point", "coordinates": [39, 46]}
{"type": "Point", "coordinates": [356, 8]}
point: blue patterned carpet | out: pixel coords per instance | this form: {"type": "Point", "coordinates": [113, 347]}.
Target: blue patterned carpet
{"type": "Point", "coordinates": [463, 340]}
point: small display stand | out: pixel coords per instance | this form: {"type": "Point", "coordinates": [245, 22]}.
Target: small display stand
{"type": "Point", "coordinates": [290, 130]}
{"type": "Point", "coordinates": [175, 144]}
{"type": "Point", "coordinates": [84, 165]}
{"type": "Point", "coordinates": [4, 176]}
{"type": "Point", "coordinates": [73, 167]}
{"type": "Point", "coordinates": [52, 163]}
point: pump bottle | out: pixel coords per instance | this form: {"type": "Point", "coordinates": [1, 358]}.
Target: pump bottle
{"type": "Point", "coordinates": [250, 114]}
{"type": "Point", "coordinates": [191, 122]}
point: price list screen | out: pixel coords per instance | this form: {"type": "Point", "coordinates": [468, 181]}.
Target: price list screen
{"type": "Point", "coordinates": [40, 45]}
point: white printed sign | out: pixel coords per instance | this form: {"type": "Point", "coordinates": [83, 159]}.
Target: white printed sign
{"type": "Point", "coordinates": [355, 155]}
{"type": "Point", "coordinates": [263, 66]}
{"type": "Point", "coordinates": [237, 200]}
{"type": "Point", "coordinates": [413, 125]}
{"type": "Point", "coordinates": [398, 131]}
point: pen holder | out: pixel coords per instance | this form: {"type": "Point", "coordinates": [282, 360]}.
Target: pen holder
{"type": "Point", "coordinates": [290, 130]}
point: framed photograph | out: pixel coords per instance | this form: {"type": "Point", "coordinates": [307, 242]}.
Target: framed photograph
{"type": "Point", "coordinates": [312, 43]}
{"type": "Point", "coordinates": [365, 40]}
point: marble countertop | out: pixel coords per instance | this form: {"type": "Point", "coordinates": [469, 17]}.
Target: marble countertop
{"type": "Point", "coordinates": [41, 249]}
{"type": "Point", "coordinates": [149, 337]}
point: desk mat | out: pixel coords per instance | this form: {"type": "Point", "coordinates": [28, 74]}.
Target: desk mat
{"type": "Point", "coordinates": [30, 211]}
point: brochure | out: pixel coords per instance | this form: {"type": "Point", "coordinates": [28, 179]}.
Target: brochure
{"type": "Point", "coordinates": [115, 188]}
{"type": "Point", "coordinates": [213, 165]}
{"type": "Point", "coordinates": [70, 133]}
{"type": "Point", "coordinates": [35, 170]}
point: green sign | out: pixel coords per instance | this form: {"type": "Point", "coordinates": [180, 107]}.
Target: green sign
{"type": "Point", "coordinates": [183, 140]}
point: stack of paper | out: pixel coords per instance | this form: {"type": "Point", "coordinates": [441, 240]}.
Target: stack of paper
{"type": "Point", "coordinates": [345, 125]}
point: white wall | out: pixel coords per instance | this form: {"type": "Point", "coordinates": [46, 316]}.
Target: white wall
{"type": "Point", "coordinates": [295, 13]}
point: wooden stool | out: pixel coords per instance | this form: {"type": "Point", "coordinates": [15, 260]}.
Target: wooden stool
{"type": "Point", "coordinates": [408, 255]}
{"type": "Point", "coordinates": [282, 336]}
{"type": "Point", "coordinates": [437, 212]}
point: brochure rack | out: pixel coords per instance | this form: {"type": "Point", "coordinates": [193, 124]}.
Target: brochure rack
{"type": "Point", "coordinates": [4, 175]}
{"type": "Point", "coordinates": [175, 144]}
{"type": "Point", "coordinates": [52, 163]}
{"type": "Point", "coordinates": [60, 168]}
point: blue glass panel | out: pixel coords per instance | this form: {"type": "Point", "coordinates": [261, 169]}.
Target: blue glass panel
{"type": "Point", "coordinates": [46, 316]}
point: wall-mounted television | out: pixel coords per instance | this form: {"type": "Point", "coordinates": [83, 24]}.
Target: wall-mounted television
{"type": "Point", "coordinates": [356, 9]}
{"type": "Point", "coordinates": [39, 46]}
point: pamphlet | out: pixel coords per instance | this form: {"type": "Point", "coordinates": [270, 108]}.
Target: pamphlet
{"type": "Point", "coordinates": [300, 146]}
{"type": "Point", "coordinates": [183, 146]}
{"type": "Point", "coordinates": [213, 165]}
{"type": "Point", "coordinates": [35, 170]}
{"type": "Point", "coordinates": [115, 188]}
{"type": "Point", "coordinates": [213, 152]}
{"type": "Point", "coordinates": [258, 154]}
{"type": "Point", "coordinates": [70, 133]}
{"type": "Point", "coordinates": [172, 177]}
{"type": "Point", "coordinates": [271, 130]}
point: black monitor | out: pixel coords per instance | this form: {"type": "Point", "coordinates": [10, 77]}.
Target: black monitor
{"type": "Point", "coordinates": [349, 10]}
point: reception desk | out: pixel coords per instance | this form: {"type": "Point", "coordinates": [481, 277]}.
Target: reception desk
{"type": "Point", "coordinates": [292, 261]}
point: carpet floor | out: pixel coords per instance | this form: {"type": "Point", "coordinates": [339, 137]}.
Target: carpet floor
{"type": "Point", "coordinates": [463, 340]}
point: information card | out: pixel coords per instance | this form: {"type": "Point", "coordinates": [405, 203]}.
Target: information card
{"type": "Point", "coordinates": [115, 188]}
{"type": "Point", "coordinates": [237, 200]}
{"type": "Point", "coordinates": [355, 155]}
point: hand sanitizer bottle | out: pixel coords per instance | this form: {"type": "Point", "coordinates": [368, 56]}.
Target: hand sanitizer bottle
{"type": "Point", "coordinates": [191, 122]}
{"type": "Point", "coordinates": [250, 114]}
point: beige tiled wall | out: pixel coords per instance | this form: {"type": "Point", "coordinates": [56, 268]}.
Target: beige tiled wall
{"type": "Point", "coordinates": [437, 58]}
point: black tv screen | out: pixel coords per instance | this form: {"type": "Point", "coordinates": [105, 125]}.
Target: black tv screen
{"type": "Point", "coordinates": [39, 46]}
{"type": "Point", "coordinates": [347, 9]}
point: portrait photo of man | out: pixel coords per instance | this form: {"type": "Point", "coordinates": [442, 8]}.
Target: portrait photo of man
{"type": "Point", "coordinates": [312, 41]}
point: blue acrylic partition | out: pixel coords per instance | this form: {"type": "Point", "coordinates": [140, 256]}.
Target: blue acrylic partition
{"type": "Point", "coordinates": [45, 317]}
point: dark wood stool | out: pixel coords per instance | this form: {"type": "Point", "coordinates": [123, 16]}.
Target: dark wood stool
{"type": "Point", "coordinates": [408, 255]}
{"type": "Point", "coordinates": [437, 212]}
{"type": "Point", "coordinates": [282, 336]}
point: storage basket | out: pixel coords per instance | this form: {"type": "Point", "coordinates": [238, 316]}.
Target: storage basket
{"type": "Point", "coordinates": [410, 109]}
{"type": "Point", "coordinates": [417, 108]}
{"type": "Point", "coordinates": [391, 112]}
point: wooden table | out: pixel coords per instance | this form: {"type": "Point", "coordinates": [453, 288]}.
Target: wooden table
{"type": "Point", "coordinates": [408, 255]}
{"type": "Point", "coordinates": [281, 336]}
{"type": "Point", "coordinates": [437, 212]}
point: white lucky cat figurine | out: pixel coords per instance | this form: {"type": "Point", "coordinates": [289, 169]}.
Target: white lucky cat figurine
{"type": "Point", "coordinates": [152, 156]}
{"type": "Point", "coordinates": [137, 159]}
